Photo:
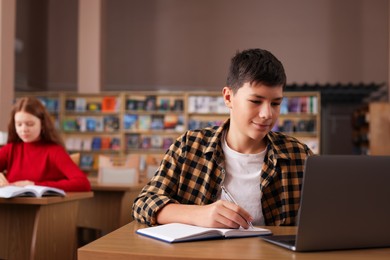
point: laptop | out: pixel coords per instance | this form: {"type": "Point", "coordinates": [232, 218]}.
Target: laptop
{"type": "Point", "coordinates": [345, 204]}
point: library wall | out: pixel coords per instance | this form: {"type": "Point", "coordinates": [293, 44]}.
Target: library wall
{"type": "Point", "coordinates": [180, 45]}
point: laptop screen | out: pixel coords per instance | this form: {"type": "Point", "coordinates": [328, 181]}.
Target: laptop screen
{"type": "Point", "coordinates": [344, 203]}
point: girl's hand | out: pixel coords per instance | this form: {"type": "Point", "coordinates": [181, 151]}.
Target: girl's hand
{"type": "Point", "coordinates": [22, 183]}
{"type": "Point", "coordinates": [3, 180]}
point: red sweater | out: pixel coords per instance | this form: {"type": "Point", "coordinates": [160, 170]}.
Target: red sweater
{"type": "Point", "coordinates": [44, 164]}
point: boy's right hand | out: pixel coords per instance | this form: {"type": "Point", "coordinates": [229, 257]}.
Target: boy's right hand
{"type": "Point", "coordinates": [224, 214]}
{"type": "Point", "coordinates": [220, 214]}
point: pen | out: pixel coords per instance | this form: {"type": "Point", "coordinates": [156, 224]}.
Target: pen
{"type": "Point", "coordinates": [231, 199]}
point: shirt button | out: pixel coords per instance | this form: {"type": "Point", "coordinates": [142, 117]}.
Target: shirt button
{"type": "Point", "coordinates": [223, 171]}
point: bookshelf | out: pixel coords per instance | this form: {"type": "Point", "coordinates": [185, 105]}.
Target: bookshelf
{"type": "Point", "coordinates": [205, 109]}
{"type": "Point", "coordinates": [379, 128]}
{"type": "Point", "coordinates": [360, 130]}
{"type": "Point", "coordinates": [143, 124]}
{"type": "Point", "coordinates": [371, 129]}
{"type": "Point", "coordinates": [90, 125]}
{"type": "Point", "coordinates": [151, 121]}
{"type": "Point", "coordinates": [300, 117]}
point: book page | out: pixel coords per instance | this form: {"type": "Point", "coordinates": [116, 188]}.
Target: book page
{"type": "Point", "coordinates": [176, 232]}
{"type": "Point", "coordinates": [14, 191]}
{"type": "Point", "coordinates": [242, 232]}
{"type": "Point", "coordinates": [45, 191]}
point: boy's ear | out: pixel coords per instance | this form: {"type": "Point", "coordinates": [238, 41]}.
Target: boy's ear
{"type": "Point", "coordinates": [227, 96]}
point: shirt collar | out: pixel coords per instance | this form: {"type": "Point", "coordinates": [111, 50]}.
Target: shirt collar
{"type": "Point", "coordinates": [274, 151]}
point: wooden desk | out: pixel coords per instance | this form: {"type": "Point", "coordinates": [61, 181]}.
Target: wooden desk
{"type": "Point", "coordinates": [125, 244]}
{"type": "Point", "coordinates": [39, 228]}
{"type": "Point", "coordinates": [109, 209]}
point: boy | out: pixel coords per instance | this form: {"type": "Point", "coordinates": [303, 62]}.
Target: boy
{"type": "Point", "coordinates": [261, 169]}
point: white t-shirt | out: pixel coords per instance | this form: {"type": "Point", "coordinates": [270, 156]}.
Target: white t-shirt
{"type": "Point", "coordinates": [242, 180]}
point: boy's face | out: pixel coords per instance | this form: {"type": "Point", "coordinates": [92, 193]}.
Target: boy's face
{"type": "Point", "coordinates": [254, 110]}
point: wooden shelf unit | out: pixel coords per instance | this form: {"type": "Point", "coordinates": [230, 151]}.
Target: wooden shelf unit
{"type": "Point", "coordinates": [144, 124]}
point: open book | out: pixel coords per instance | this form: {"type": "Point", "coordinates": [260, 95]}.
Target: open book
{"type": "Point", "coordinates": [29, 191]}
{"type": "Point", "coordinates": [176, 232]}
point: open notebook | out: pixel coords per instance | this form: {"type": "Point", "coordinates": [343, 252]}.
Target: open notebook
{"type": "Point", "coordinates": [344, 204]}
{"type": "Point", "coordinates": [177, 232]}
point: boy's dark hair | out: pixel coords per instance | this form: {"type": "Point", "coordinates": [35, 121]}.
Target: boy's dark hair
{"type": "Point", "coordinates": [255, 66]}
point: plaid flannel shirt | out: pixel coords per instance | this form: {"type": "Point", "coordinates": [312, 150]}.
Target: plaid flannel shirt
{"type": "Point", "coordinates": [192, 172]}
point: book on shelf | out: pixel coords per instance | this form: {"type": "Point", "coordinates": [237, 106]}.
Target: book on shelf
{"type": "Point", "coordinates": [288, 126]}
{"type": "Point", "coordinates": [198, 104]}
{"type": "Point", "coordinates": [99, 124]}
{"type": "Point", "coordinates": [284, 106]}
{"type": "Point", "coordinates": [198, 124]}
{"type": "Point", "coordinates": [157, 122]}
{"type": "Point", "coordinates": [299, 104]}
{"type": "Point", "coordinates": [305, 126]}
{"type": "Point", "coordinates": [221, 106]}
{"type": "Point", "coordinates": [51, 104]}
{"type": "Point", "coordinates": [146, 142]}
{"type": "Point", "coordinates": [81, 124]}
{"type": "Point", "coordinates": [90, 123]}
{"type": "Point", "coordinates": [86, 143]}
{"type": "Point", "coordinates": [111, 123]}
{"type": "Point", "coordinates": [164, 104]}
{"type": "Point", "coordinates": [178, 105]}
{"type": "Point", "coordinates": [105, 143]}
{"type": "Point", "coordinates": [171, 121]}
{"type": "Point", "coordinates": [86, 161]}
{"type": "Point", "coordinates": [70, 105]}
{"type": "Point", "coordinates": [80, 104]}
{"type": "Point", "coordinates": [167, 142]}
{"type": "Point", "coordinates": [144, 122]}
{"type": "Point", "coordinates": [94, 106]}
{"type": "Point", "coordinates": [156, 142]}
{"type": "Point", "coordinates": [96, 143]}
{"type": "Point", "coordinates": [109, 104]}
{"type": "Point", "coordinates": [305, 105]}
{"type": "Point", "coordinates": [130, 121]}
{"type": "Point", "coordinates": [297, 125]}
{"type": "Point", "coordinates": [29, 191]}
{"type": "Point", "coordinates": [133, 141]}
{"type": "Point", "coordinates": [140, 105]}
{"type": "Point", "coordinates": [177, 232]}
{"type": "Point", "coordinates": [294, 105]}
{"type": "Point", "coordinates": [70, 124]}
{"type": "Point", "coordinates": [131, 104]}
{"type": "Point", "coordinates": [213, 105]}
{"type": "Point", "coordinates": [78, 143]}
{"type": "Point", "coordinates": [115, 143]}
{"type": "Point", "coordinates": [74, 143]}
{"type": "Point", "coordinates": [313, 104]}
{"type": "Point", "coordinates": [150, 103]}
